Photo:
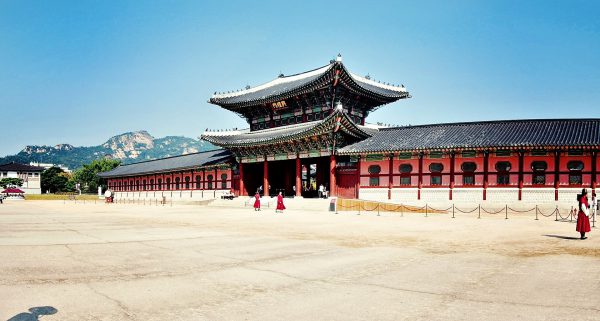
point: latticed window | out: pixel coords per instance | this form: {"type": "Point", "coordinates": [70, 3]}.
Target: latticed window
{"type": "Point", "coordinates": [198, 181]}
{"type": "Point", "coordinates": [177, 180]}
{"type": "Point", "coordinates": [168, 183]}
{"type": "Point", "coordinates": [137, 185]}
{"type": "Point", "coordinates": [503, 169]}
{"type": "Point", "coordinates": [151, 184]}
{"type": "Point", "coordinates": [575, 168]}
{"type": "Point", "coordinates": [405, 170]}
{"type": "Point", "coordinates": [468, 169]}
{"type": "Point", "coordinates": [144, 184]}
{"type": "Point", "coordinates": [539, 172]}
{"type": "Point", "coordinates": [374, 170]}
{"type": "Point", "coordinates": [436, 173]}
{"type": "Point", "coordinates": [223, 181]}
{"type": "Point", "coordinates": [209, 178]}
{"type": "Point", "coordinates": [160, 184]}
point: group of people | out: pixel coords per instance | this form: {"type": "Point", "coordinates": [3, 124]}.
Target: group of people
{"type": "Point", "coordinates": [585, 211]}
{"type": "Point", "coordinates": [280, 207]}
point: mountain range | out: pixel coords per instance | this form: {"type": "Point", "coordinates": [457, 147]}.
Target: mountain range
{"type": "Point", "coordinates": [128, 147]}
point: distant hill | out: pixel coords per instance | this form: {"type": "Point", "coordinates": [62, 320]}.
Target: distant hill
{"type": "Point", "coordinates": [128, 147]}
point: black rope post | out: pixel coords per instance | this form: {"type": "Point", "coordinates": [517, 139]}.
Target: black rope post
{"type": "Point", "coordinates": [479, 215]}
{"type": "Point", "coordinates": [571, 215]}
{"type": "Point", "coordinates": [425, 210]}
{"type": "Point", "coordinates": [506, 212]}
{"type": "Point", "coordinates": [452, 210]}
{"type": "Point", "coordinates": [401, 210]}
{"type": "Point", "coordinates": [378, 209]}
{"type": "Point", "coordinates": [594, 219]}
{"type": "Point", "coordinates": [358, 209]}
{"type": "Point", "coordinates": [556, 211]}
{"type": "Point", "coordinates": [536, 212]}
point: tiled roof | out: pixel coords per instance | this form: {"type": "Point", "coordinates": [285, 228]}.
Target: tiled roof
{"type": "Point", "coordinates": [16, 167]}
{"type": "Point", "coordinates": [285, 87]}
{"type": "Point", "coordinates": [182, 162]}
{"type": "Point", "coordinates": [286, 133]}
{"type": "Point", "coordinates": [531, 133]}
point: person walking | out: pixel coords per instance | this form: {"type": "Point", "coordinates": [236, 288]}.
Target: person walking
{"type": "Point", "coordinates": [257, 201]}
{"type": "Point", "coordinates": [280, 206]}
{"type": "Point", "coordinates": [321, 190]}
{"type": "Point", "coordinates": [583, 219]}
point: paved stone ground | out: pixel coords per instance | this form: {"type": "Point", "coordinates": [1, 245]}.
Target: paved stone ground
{"type": "Point", "coordinates": [134, 262]}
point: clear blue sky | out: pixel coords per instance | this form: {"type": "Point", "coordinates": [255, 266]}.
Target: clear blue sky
{"type": "Point", "coordinates": [79, 72]}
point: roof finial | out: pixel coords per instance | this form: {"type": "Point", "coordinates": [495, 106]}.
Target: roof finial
{"type": "Point", "coordinates": [247, 87]}
{"type": "Point", "coordinates": [368, 76]}
{"type": "Point", "coordinates": [339, 57]}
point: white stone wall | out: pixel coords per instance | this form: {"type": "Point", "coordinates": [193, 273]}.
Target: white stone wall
{"type": "Point", "coordinates": [569, 195]}
{"type": "Point", "coordinates": [503, 195]}
{"type": "Point", "coordinates": [467, 195]}
{"type": "Point", "coordinates": [175, 196]}
{"type": "Point", "coordinates": [538, 195]}
{"type": "Point", "coordinates": [435, 194]}
{"type": "Point", "coordinates": [373, 194]}
{"type": "Point", "coordinates": [402, 195]}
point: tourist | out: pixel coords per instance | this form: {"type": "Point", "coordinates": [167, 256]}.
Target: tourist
{"type": "Point", "coordinates": [583, 220]}
{"type": "Point", "coordinates": [257, 201]}
{"type": "Point", "coordinates": [280, 206]}
{"type": "Point", "coordinates": [321, 190]}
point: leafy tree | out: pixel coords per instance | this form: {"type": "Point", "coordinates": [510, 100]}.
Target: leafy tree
{"type": "Point", "coordinates": [54, 179]}
{"type": "Point", "coordinates": [88, 177]}
{"type": "Point", "coordinates": [11, 181]}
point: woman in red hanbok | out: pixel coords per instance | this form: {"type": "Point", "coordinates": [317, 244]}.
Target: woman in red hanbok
{"type": "Point", "coordinates": [280, 206]}
{"type": "Point", "coordinates": [257, 202]}
{"type": "Point", "coordinates": [583, 220]}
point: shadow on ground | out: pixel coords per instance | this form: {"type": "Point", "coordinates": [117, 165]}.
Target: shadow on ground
{"type": "Point", "coordinates": [562, 237]}
{"type": "Point", "coordinates": [34, 314]}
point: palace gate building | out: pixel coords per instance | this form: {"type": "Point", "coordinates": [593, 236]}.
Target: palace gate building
{"type": "Point", "coordinates": [308, 129]}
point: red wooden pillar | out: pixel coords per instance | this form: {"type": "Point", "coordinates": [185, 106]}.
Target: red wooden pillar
{"type": "Point", "coordinates": [332, 183]}
{"type": "Point", "coordinates": [358, 172]}
{"type": "Point", "coordinates": [594, 170]}
{"type": "Point", "coordinates": [452, 157]}
{"type": "Point", "coordinates": [556, 173]}
{"type": "Point", "coordinates": [298, 176]}
{"type": "Point", "coordinates": [204, 178]}
{"type": "Point", "coordinates": [521, 154]}
{"type": "Point", "coordinates": [486, 166]}
{"type": "Point", "coordinates": [265, 177]}
{"type": "Point", "coordinates": [390, 175]}
{"type": "Point", "coordinates": [420, 180]}
{"type": "Point", "coordinates": [242, 187]}
{"type": "Point", "coordinates": [215, 180]}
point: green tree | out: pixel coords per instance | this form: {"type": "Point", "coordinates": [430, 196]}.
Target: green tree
{"type": "Point", "coordinates": [54, 180]}
{"type": "Point", "coordinates": [11, 181]}
{"type": "Point", "coordinates": [88, 177]}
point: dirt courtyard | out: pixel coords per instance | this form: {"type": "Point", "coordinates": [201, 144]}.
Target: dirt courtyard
{"type": "Point", "coordinates": [135, 262]}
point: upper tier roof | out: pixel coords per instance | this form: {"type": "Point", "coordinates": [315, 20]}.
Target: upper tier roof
{"type": "Point", "coordinates": [276, 135]}
{"type": "Point", "coordinates": [531, 133]}
{"type": "Point", "coordinates": [169, 164]}
{"type": "Point", "coordinates": [286, 87]}
{"type": "Point", "coordinates": [16, 167]}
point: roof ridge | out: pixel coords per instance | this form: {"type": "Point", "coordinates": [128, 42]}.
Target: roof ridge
{"type": "Point", "coordinates": [492, 122]}
{"type": "Point", "coordinates": [157, 159]}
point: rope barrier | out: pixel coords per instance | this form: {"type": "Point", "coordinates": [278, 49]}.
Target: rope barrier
{"type": "Point", "coordinates": [561, 217]}
{"type": "Point", "coordinates": [492, 213]}
{"type": "Point", "coordinates": [467, 212]}
{"type": "Point", "coordinates": [520, 211]}
{"type": "Point", "coordinates": [544, 215]}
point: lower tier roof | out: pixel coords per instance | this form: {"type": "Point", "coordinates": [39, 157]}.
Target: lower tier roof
{"type": "Point", "coordinates": [530, 133]}
{"type": "Point", "coordinates": [170, 164]}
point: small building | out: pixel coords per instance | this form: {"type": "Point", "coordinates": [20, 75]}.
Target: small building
{"type": "Point", "coordinates": [309, 129]}
{"type": "Point", "coordinates": [30, 175]}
